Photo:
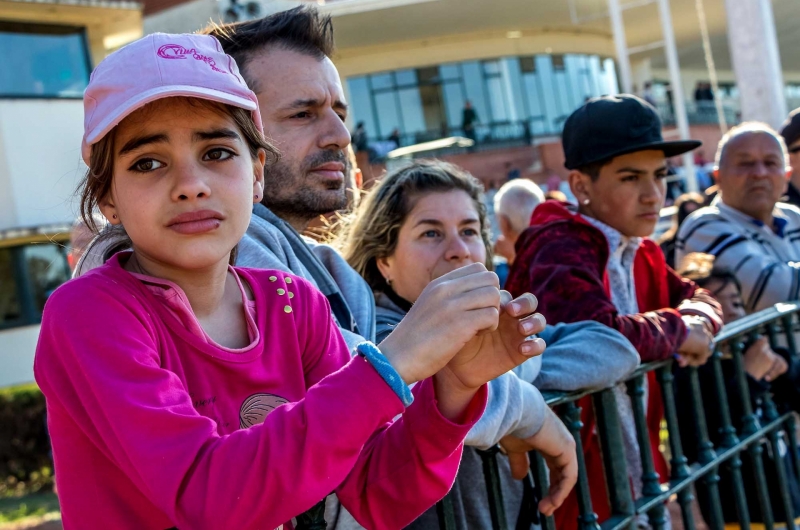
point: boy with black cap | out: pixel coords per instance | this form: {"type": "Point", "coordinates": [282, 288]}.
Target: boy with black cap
{"type": "Point", "coordinates": [594, 262]}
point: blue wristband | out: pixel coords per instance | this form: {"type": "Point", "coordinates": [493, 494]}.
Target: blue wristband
{"type": "Point", "coordinates": [371, 353]}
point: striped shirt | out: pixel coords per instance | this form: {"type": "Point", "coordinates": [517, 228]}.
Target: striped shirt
{"type": "Point", "coordinates": [765, 260]}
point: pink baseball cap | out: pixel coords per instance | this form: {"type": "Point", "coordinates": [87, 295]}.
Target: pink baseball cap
{"type": "Point", "coordinates": [159, 66]}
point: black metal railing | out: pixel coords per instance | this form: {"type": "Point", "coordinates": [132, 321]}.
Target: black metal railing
{"type": "Point", "coordinates": [711, 462]}
{"type": "Point", "coordinates": [487, 136]}
{"type": "Point", "coordinates": [699, 113]}
{"type": "Point", "coordinates": [507, 134]}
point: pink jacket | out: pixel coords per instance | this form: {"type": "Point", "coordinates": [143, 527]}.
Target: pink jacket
{"type": "Point", "coordinates": [154, 427]}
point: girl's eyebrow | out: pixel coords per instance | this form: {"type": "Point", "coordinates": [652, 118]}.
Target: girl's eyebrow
{"type": "Point", "coordinates": [137, 142]}
{"type": "Point", "coordinates": [216, 134]}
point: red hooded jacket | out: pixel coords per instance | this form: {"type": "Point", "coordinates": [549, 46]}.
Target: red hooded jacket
{"type": "Point", "coordinates": [562, 259]}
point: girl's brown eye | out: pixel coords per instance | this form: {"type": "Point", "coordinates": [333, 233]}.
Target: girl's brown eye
{"type": "Point", "coordinates": [145, 165]}
{"type": "Point", "coordinates": [219, 154]}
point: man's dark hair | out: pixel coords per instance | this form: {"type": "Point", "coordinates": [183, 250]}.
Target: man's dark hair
{"type": "Point", "coordinates": [593, 169]}
{"type": "Point", "coordinates": [302, 29]}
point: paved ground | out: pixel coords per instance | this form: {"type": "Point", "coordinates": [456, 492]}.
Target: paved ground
{"type": "Point", "coordinates": [47, 522]}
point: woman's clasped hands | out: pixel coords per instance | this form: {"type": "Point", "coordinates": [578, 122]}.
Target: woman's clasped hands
{"type": "Point", "coordinates": [466, 331]}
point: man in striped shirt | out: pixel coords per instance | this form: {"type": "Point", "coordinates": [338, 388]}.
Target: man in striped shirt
{"type": "Point", "coordinates": [751, 234]}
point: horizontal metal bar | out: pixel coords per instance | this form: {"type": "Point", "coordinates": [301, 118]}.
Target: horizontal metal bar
{"type": "Point", "coordinates": [745, 325]}
{"type": "Point", "coordinates": [646, 503]}
{"type": "Point", "coordinates": [618, 522]}
{"type": "Point", "coordinates": [756, 320]}
{"type": "Point", "coordinates": [555, 398]}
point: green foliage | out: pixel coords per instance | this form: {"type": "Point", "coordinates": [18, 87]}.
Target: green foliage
{"type": "Point", "coordinates": [25, 464]}
{"type": "Point", "coordinates": [38, 504]}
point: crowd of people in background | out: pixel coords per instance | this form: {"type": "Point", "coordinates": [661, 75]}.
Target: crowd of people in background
{"type": "Point", "coordinates": [404, 285]}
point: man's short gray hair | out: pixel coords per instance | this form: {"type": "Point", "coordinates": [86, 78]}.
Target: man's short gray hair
{"type": "Point", "coordinates": [749, 127]}
{"type": "Point", "coordinates": [516, 200]}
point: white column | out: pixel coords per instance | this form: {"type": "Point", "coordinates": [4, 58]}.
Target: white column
{"type": "Point", "coordinates": [621, 45]}
{"type": "Point", "coordinates": [756, 60]}
{"type": "Point", "coordinates": [642, 72]}
{"type": "Point", "coordinates": [677, 89]}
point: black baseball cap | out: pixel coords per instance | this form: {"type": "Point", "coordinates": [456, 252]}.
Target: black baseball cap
{"type": "Point", "coordinates": [790, 130]}
{"type": "Point", "coordinates": [610, 126]}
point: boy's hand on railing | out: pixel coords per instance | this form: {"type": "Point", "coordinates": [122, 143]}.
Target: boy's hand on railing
{"type": "Point", "coordinates": [698, 345]}
{"type": "Point", "coordinates": [557, 447]}
{"type": "Point", "coordinates": [494, 352]}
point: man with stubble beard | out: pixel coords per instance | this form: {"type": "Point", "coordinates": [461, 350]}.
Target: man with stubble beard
{"type": "Point", "coordinates": [285, 59]}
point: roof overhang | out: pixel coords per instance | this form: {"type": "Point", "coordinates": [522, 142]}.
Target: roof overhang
{"type": "Point", "coordinates": [109, 24]}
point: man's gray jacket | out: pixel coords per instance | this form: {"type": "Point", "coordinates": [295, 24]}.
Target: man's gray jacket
{"type": "Point", "coordinates": [271, 243]}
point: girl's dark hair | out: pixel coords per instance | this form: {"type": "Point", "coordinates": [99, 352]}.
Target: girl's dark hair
{"type": "Point", "coordinates": [699, 268]}
{"type": "Point", "coordinates": [96, 184]}
{"type": "Point", "coordinates": [683, 205]}
{"type": "Point", "coordinates": [302, 29]}
{"type": "Point", "coordinates": [374, 230]}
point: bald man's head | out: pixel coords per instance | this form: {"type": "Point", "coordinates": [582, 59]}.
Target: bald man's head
{"type": "Point", "coordinates": [516, 201]}
{"type": "Point", "coordinates": [513, 207]}
{"type": "Point", "coordinates": [751, 169]}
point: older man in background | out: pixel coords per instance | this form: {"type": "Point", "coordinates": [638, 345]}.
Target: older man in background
{"type": "Point", "coordinates": [513, 207]}
{"type": "Point", "coordinates": [751, 234]}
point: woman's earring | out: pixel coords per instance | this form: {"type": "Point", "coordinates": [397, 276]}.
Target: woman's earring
{"type": "Point", "coordinates": [114, 216]}
{"type": "Point", "coordinates": [389, 282]}
{"type": "Point", "coordinates": [255, 196]}
{"type": "Point", "coordinates": [586, 202]}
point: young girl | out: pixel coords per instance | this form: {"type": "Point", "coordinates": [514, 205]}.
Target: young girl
{"type": "Point", "coordinates": [183, 392]}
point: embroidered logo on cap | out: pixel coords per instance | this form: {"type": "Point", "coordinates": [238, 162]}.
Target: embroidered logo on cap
{"type": "Point", "coordinates": [176, 51]}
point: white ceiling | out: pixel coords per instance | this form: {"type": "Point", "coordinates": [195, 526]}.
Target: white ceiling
{"type": "Point", "coordinates": [642, 25]}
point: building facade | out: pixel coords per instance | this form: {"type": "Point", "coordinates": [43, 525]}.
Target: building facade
{"type": "Point", "coordinates": [55, 46]}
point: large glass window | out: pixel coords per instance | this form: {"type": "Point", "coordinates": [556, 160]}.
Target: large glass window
{"type": "Point", "coordinates": [28, 276]}
{"type": "Point", "coordinates": [47, 268]}
{"type": "Point", "coordinates": [510, 95]}
{"type": "Point", "coordinates": [42, 60]}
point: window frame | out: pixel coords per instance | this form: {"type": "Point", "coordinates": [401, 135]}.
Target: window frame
{"type": "Point", "coordinates": [23, 282]}
{"type": "Point", "coordinates": [44, 29]}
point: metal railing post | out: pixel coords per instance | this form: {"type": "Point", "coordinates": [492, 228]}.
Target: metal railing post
{"type": "Point", "coordinates": [705, 451]}
{"type": "Point", "coordinates": [491, 475]}
{"type": "Point", "coordinates": [540, 488]}
{"type": "Point", "coordinates": [650, 479]}
{"type": "Point", "coordinates": [587, 520]}
{"type": "Point", "coordinates": [679, 469]}
{"type": "Point", "coordinates": [445, 512]}
{"type": "Point", "coordinates": [609, 432]}
{"type": "Point", "coordinates": [729, 440]}
{"type": "Point", "coordinates": [775, 440]}
{"type": "Point", "coordinates": [751, 426]}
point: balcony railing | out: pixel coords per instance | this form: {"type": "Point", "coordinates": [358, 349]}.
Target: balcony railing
{"type": "Point", "coordinates": [774, 430]}
{"type": "Point", "coordinates": [502, 135]}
